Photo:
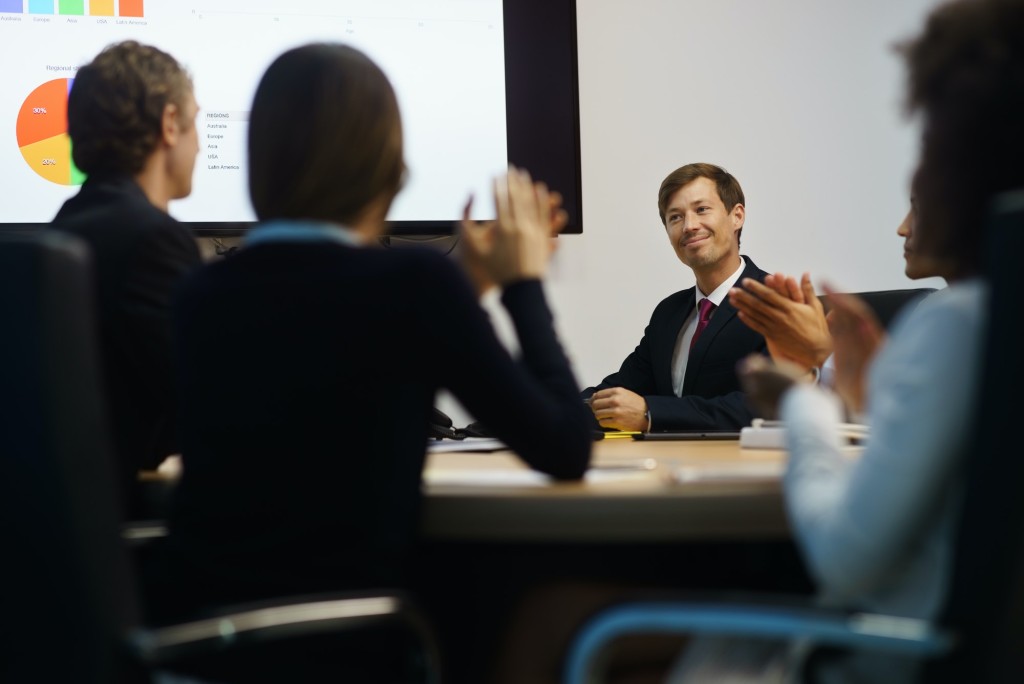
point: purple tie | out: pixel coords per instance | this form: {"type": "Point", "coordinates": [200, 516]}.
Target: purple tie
{"type": "Point", "coordinates": [706, 306]}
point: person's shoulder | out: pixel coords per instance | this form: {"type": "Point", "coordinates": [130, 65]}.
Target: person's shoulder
{"type": "Point", "coordinates": [163, 236]}
{"type": "Point", "coordinates": [677, 300]}
{"type": "Point", "coordinates": [752, 270]}
{"type": "Point", "coordinates": [114, 212]}
{"type": "Point", "coordinates": [958, 308]}
{"type": "Point", "coordinates": [963, 299]}
{"type": "Point", "coordinates": [418, 262]}
{"type": "Point", "coordinates": [167, 225]}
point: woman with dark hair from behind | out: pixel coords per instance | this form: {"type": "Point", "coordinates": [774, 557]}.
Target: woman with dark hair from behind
{"type": "Point", "coordinates": [877, 532]}
{"type": "Point", "coordinates": [309, 360]}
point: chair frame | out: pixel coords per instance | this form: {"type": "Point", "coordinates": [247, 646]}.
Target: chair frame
{"type": "Point", "coordinates": [811, 626]}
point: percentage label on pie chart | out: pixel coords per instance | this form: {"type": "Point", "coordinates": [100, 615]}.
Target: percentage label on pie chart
{"type": "Point", "coordinates": [43, 133]}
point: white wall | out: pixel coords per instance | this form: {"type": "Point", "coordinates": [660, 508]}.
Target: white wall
{"type": "Point", "coordinates": [801, 100]}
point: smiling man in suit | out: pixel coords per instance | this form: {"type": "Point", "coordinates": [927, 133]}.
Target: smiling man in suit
{"type": "Point", "coordinates": [682, 375]}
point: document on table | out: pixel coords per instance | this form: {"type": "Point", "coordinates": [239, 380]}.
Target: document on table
{"type": "Point", "coordinates": [639, 470]}
{"type": "Point", "coordinates": [749, 470]}
{"type": "Point", "coordinates": [450, 446]}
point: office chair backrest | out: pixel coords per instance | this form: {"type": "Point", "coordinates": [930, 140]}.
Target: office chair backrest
{"type": "Point", "coordinates": [66, 596]}
{"type": "Point", "coordinates": [986, 602]}
{"type": "Point", "coordinates": [887, 303]}
{"type": "Point", "coordinates": [68, 603]}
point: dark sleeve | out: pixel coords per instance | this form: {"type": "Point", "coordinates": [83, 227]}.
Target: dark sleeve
{"type": "Point", "coordinates": [717, 405]}
{"type": "Point", "coordinates": [157, 271]}
{"type": "Point", "coordinates": [726, 412]}
{"type": "Point", "coordinates": [668, 412]}
{"type": "Point", "coordinates": [534, 405]}
{"type": "Point", "coordinates": [635, 374]}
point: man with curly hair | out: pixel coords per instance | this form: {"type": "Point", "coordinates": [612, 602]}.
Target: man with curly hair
{"type": "Point", "coordinates": [131, 119]}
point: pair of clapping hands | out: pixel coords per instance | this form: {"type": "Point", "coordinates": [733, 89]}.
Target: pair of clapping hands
{"type": "Point", "coordinates": [518, 244]}
{"type": "Point", "coordinates": [801, 337]}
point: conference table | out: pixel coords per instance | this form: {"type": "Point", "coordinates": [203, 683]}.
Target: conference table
{"type": "Point", "coordinates": [686, 514]}
{"type": "Point", "coordinates": [635, 491]}
{"type": "Point", "coordinates": [681, 515]}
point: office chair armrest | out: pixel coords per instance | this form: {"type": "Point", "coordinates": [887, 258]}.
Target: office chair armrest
{"type": "Point", "coordinates": [289, 618]}
{"type": "Point", "coordinates": [820, 626]}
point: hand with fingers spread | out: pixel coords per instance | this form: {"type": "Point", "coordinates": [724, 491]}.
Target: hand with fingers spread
{"type": "Point", "coordinates": [517, 245]}
{"type": "Point", "coordinates": [789, 315]}
{"type": "Point", "coordinates": [620, 409]}
{"type": "Point", "coordinates": [857, 335]}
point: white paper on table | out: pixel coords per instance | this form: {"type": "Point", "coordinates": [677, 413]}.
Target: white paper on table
{"type": "Point", "coordinates": [485, 477]}
{"type": "Point", "coordinates": [753, 470]}
{"type": "Point", "coordinates": [516, 477]}
{"type": "Point", "coordinates": [450, 446]}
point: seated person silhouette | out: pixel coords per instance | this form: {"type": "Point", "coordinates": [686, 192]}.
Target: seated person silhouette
{"type": "Point", "coordinates": [302, 456]}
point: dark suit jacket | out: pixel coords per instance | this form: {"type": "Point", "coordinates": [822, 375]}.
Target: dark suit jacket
{"type": "Point", "coordinates": [139, 257]}
{"type": "Point", "coordinates": [308, 373]}
{"type": "Point", "coordinates": [711, 399]}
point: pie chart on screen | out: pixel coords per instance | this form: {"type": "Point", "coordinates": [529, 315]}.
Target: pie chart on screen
{"type": "Point", "coordinates": [43, 133]}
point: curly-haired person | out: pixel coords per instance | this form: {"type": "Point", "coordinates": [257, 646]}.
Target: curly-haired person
{"type": "Point", "coordinates": [131, 119]}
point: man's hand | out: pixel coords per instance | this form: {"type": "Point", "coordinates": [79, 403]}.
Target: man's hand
{"type": "Point", "coordinates": [789, 315]}
{"type": "Point", "coordinates": [857, 336]}
{"type": "Point", "coordinates": [619, 409]}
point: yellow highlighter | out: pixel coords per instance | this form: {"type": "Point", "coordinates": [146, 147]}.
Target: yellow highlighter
{"type": "Point", "coordinates": [619, 434]}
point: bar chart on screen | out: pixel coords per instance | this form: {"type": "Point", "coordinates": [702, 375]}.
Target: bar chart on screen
{"type": "Point", "coordinates": [72, 8]}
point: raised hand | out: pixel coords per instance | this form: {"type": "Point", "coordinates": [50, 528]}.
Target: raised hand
{"type": "Point", "coordinates": [789, 315]}
{"type": "Point", "coordinates": [518, 245]}
{"type": "Point", "coordinates": [856, 335]}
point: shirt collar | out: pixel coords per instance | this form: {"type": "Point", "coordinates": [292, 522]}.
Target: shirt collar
{"type": "Point", "coordinates": [300, 231]}
{"type": "Point", "coordinates": [718, 296]}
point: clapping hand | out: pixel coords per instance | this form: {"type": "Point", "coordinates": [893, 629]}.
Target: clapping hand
{"type": "Point", "coordinates": [789, 315]}
{"type": "Point", "coordinates": [517, 245]}
{"type": "Point", "coordinates": [857, 336]}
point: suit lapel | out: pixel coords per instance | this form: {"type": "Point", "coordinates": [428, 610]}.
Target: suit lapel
{"type": "Point", "coordinates": [666, 340]}
{"type": "Point", "coordinates": [719, 320]}
{"type": "Point", "coordinates": [722, 317]}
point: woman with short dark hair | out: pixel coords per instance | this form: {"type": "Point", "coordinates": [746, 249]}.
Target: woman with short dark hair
{"type": "Point", "coordinates": [309, 360]}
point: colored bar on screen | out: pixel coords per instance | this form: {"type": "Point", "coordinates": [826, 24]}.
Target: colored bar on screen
{"type": "Point", "coordinates": [101, 8]}
{"type": "Point", "coordinates": [40, 6]}
{"type": "Point", "coordinates": [11, 6]}
{"type": "Point", "coordinates": [76, 7]}
{"type": "Point", "coordinates": [130, 8]}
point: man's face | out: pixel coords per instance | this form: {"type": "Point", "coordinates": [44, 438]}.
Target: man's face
{"type": "Point", "coordinates": [700, 228]}
{"type": "Point", "coordinates": [182, 158]}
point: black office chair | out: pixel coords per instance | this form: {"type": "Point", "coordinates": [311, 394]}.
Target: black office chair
{"type": "Point", "coordinates": [887, 303]}
{"type": "Point", "coordinates": [979, 636]}
{"type": "Point", "coordinates": [986, 602]}
{"type": "Point", "coordinates": [70, 610]}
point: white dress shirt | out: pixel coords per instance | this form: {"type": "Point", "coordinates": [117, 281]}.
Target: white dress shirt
{"type": "Point", "coordinates": [682, 352]}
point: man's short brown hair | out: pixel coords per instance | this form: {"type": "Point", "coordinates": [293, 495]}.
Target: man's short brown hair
{"type": "Point", "coordinates": [325, 136]}
{"type": "Point", "coordinates": [729, 190]}
{"type": "Point", "coordinates": [116, 106]}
